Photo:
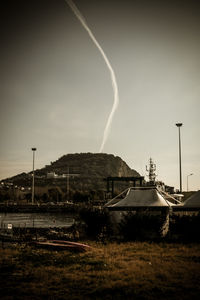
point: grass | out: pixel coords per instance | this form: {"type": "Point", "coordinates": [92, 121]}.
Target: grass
{"type": "Point", "coordinates": [134, 270]}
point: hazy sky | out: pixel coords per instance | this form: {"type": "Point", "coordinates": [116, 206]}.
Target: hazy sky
{"type": "Point", "coordinates": [56, 92]}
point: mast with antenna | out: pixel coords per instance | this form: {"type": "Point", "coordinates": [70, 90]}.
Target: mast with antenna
{"type": "Point", "coordinates": [151, 171]}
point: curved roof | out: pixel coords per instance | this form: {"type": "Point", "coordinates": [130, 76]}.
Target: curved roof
{"type": "Point", "coordinates": [142, 197]}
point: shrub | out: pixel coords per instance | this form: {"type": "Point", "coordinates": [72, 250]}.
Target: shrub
{"type": "Point", "coordinates": [141, 226]}
{"type": "Point", "coordinates": [185, 227]}
{"type": "Point", "coordinates": [97, 222]}
{"type": "Point", "coordinates": [79, 197]}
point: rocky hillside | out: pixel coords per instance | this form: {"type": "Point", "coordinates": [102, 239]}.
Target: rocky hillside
{"type": "Point", "coordinates": [89, 165]}
{"type": "Point", "coordinates": [87, 172]}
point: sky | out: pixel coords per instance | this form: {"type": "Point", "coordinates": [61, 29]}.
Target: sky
{"type": "Point", "coordinates": [56, 92]}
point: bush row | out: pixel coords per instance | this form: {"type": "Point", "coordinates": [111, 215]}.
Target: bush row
{"type": "Point", "coordinates": [141, 226]}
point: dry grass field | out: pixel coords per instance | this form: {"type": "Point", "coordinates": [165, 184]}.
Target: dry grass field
{"type": "Point", "coordinates": [134, 270]}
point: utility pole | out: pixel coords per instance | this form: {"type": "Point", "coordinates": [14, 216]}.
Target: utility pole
{"type": "Point", "coordinates": [68, 183]}
{"type": "Point", "coordinates": [33, 179]}
{"type": "Point", "coordinates": [180, 169]}
{"type": "Point", "coordinates": [187, 181]}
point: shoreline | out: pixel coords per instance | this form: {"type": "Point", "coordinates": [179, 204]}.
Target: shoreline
{"type": "Point", "coordinates": [39, 208]}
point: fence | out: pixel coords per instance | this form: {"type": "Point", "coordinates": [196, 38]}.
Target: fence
{"type": "Point", "coordinates": [26, 228]}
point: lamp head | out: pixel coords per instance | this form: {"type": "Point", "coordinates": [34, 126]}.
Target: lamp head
{"type": "Point", "coordinates": [33, 149]}
{"type": "Point", "coordinates": [179, 124]}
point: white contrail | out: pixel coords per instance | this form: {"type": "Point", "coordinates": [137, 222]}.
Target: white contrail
{"type": "Point", "coordinates": [112, 74]}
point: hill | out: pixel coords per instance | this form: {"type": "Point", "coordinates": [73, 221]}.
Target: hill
{"type": "Point", "coordinates": [90, 165]}
{"type": "Point", "coordinates": [74, 176]}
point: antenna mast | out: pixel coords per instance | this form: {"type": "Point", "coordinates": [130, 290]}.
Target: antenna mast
{"type": "Point", "coordinates": [152, 169]}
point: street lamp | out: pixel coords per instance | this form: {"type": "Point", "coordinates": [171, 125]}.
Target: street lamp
{"type": "Point", "coordinates": [33, 182]}
{"type": "Point", "coordinates": [179, 134]}
{"type": "Point", "coordinates": [68, 183]}
{"type": "Point", "coordinates": [187, 181]}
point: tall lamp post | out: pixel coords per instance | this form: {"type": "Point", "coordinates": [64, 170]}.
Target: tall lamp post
{"type": "Point", "coordinates": [33, 180]}
{"type": "Point", "coordinates": [180, 170]}
{"type": "Point", "coordinates": [187, 181]}
{"type": "Point", "coordinates": [68, 183]}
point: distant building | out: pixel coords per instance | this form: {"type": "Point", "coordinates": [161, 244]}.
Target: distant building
{"type": "Point", "coordinates": [54, 175]}
{"type": "Point", "coordinates": [51, 175]}
{"type": "Point", "coordinates": [169, 189]}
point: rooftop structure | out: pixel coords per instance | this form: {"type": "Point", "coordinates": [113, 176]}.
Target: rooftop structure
{"type": "Point", "coordinates": [143, 197]}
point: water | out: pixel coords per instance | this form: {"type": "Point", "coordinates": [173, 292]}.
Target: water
{"type": "Point", "coordinates": [37, 220]}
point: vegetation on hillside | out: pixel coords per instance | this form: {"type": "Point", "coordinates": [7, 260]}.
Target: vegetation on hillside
{"type": "Point", "coordinates": [87, 173]}
{"type": "Point", "coordinates": [89, 164]}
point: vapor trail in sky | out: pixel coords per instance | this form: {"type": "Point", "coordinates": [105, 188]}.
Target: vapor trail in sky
{"type": "Point", "coordinates": [112, 74]}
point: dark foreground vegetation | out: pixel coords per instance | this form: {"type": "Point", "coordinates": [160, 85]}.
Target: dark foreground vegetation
{"type": "Point", "coordinates": [138, 263]}
{"type": "Point", "coordinates": [141, 226]}
{"type": "Point", "coordinates": [129, 270]}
